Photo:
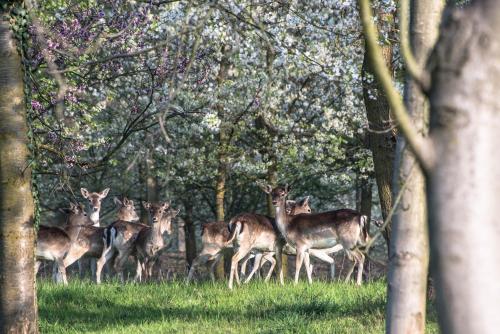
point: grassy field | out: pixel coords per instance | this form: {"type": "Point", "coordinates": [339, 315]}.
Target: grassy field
{"type": "Point", "coordinates": [211, 308]}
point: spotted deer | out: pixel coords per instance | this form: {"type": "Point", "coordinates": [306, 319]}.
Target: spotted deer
{"type": "Point", "coordinates": [155, 237]}
{"type": "Point", "coordinates": [87, 239]}
{"type": "Point", "coordinates": [52, 244]}
{"type": "Point", "coordinates": [121, 236]}
{"type": "Point", "coordinates": [214, 237]}
{"type": "Point", "coordinates": [320, 231]}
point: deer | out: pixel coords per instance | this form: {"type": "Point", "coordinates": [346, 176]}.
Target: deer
{"type": "Point", "coordinates": [52, 244]}
{"type": "Point", "coordinates": [214, 236]}
{"type": "Point", "coordinates": [154, 238]}
{"type": "Point", "coordinates": [320, 231]}
{"type": "Point", "coordinates": [120, 238]}
{"type": "Point", "coordinates": [87, 239]}
{"type": "Point", "coordinates": [93, 211]}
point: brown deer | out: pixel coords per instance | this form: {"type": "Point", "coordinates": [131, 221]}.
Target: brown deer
{"type": "Point", "coordinates": [93, 210]}
{"type": "Point", "coordinates": [52, 244]}
{"type": "Point", "coordinates": [320, 231]}
{"type": "Point", "coordinates": [94, 203]}
{"type": "Point", "coordinates": [214, 237]}
{"type": "Point", "coordinates": [154, 238]}
{"type": "Point", "coordinates": [87, 240]}
{"type": "Point", "coordinates": [120, 238]}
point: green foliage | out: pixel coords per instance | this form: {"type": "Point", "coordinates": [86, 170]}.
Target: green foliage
{"type": "Point", "coordinates": [212, 308]}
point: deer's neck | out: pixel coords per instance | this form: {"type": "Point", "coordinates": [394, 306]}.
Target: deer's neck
{"type": "Point", "coordinates": [94, 217]}
{"type": "Point", "coordinates": [154, 237]}
{"type": "Point", "coordinates": [282, 219]}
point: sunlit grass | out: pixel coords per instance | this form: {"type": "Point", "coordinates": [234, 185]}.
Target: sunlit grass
{"type": "Point", "coordinates": [212, 308]}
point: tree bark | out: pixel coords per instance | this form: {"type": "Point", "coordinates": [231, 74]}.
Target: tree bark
{"type": "Point", "coordinates": [382, 141]}
{"type": "Point", "coordinates": [464, 183]}
{"type": "Point", "coordinates": [222, 155]}
{"type": "Point", "coordinates": [18, 308]}
{"type": "Point", "coordinates": [409, 250]}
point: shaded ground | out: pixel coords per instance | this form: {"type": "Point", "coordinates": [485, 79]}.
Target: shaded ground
{"type": "Point", "coordinates": [212, 308]}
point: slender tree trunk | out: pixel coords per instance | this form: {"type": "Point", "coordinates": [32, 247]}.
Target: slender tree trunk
{"type": "Point", "coordinates": [152, 188]}
{"type": "Point", "coordinates": [189, 232]}
{"type": "Point", "coordinates": [18, 309]}
{"type": "Point", "coordinates": [409, 251]}
{"type": "Point", "coordinates": [222, 155]}
{"type": "Point", "coordinates": [464, 183]}
{"type": "Point", "coordinates": [382, 141]}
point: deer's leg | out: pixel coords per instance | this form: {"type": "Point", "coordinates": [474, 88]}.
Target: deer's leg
{"type": "Point", "coordinates": [271, 259]}
{"type": "Point", "coordinates": [326, 258]}
{"type": "Point", "coordinates": [93, 268]}
{"type": "Point", "coordinates": [298, 264]}
{"type": "Point", "coordinates": [119, 264]}
{"type": "Point", "coordinates": [215, 261]}
{"type": "Point", "coordinates": [240, 254]}
{"type": "Point", "coordinates": [138, 271]}
{"type": "Point", "coordinates": [244, 262]}
{"type": "Point", "coordinates": [307, 264]}
{"type": "Point", "coordinates": [361, 260]}
{"type": "Point", "coordinates": [351, 267]}
{"type": "Point", "coordinates": [256, 266]}
{"type": "Point", "coordinates": [107, 254]}
{"type": "Point", "coordinates": [62, 271]}
{"type": "Point", "coordinates": [279, 263]}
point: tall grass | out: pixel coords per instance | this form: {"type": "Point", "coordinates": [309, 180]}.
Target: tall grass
{"type": "Point", "coordinates": [212, 308]}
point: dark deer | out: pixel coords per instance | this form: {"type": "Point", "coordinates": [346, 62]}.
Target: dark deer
{"type": "Point", "coordinates": [320, 231]}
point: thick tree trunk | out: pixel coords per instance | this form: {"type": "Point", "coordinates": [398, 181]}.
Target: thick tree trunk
{"type": "Point", "coordinates": [409, 251]}
{"type": "Point", "coordinates": [189, 233]}
{"type": "Point", "coordinates": [149, 180]}
{"type": "Point", "coordinates": [18, 310]}
{"type": "Point", "coordinates": [382, 140]}
{"type": "Point", "coordinates": [464, 184]}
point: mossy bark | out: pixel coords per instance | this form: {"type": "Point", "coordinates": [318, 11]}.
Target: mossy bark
{"type": "Point", "coordinates": [18, 307]}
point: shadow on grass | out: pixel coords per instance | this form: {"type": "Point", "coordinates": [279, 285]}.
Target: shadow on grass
{"type": "Point", "coordinates": [77, 310]}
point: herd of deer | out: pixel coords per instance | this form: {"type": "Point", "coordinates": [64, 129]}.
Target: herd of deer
{"type": "Point", "coordinates": [294, 231]}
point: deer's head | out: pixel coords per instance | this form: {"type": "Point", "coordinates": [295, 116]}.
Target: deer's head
{"type": "Point", "coordinates": [278, 194]}
{"type": "Point", "coordinates": [157, 211]}
{"type": "Point", "coordinates": [294, 208]}
{"type": "Point", "coordinates": [94, 199]}
{"type": "Point", "coordinates": [126, 210]}
{"type": "Point", "coordinates": [76, 214]}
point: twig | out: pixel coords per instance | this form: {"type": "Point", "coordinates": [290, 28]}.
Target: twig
{"type": "Point", "coordinates": [417, 72]}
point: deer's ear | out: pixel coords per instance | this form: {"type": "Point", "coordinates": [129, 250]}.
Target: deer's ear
{"type": "Point", "coordinates": [85, 192]}
{"type": "Point", "coordinates": [81, 207]}
{"type": "Point", "coordinates": [305, 201]}
{"type": "Point", "coordinates": [165, 205]}
{"type": "Point", "coordinates": [130, 202]}
{"type": "Point", "coordinates": [117, 201]}
{"type": "Point", "coordinates": [126, 201]}
{"type": "Point", "coordinates": [287, 188]}
{"type": "Point", "coordinates": [64, 210]}
{"type": "Point", "coordinates": [175, 212]}
{"type": "Point", "coordinates": [146, 205]}
{"type": "Point", "coordinates": [104, 193]}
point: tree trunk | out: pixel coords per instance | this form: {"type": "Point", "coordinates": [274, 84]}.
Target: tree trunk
{"type": "Point", "coordinates": [189, 233]}
{"type": "Point", "coordinates": [222, 156]}
{"type": "Point", "coordinates": [464, 183]}
{"type": "Point", "coordinates": [18, 309]}
{"type": "Point", "coordinates": [382, 140]}
{"type": "Point", "coordinates": [409, 250]}
{"type": "Point", "coordinates": [149, 180]}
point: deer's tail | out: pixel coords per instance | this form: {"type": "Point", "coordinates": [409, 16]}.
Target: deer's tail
{"type": "Point", "coordinates": [235, 227]}
{"type": "Point", "coordinates": [109, 237]}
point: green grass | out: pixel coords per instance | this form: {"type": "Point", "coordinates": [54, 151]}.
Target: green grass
{"type": "Point", "coordinates": [212, 308]}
